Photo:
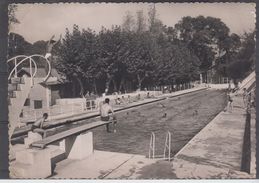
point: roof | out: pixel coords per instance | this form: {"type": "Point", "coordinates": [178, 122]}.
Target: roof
{"type": "Point", "coordinates": [41, 73]}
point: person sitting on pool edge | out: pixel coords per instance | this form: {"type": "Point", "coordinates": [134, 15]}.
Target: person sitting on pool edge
{"type": "Point", "coordinates": [37, 126]}
{"type": "Point", "coordinates": [105, 109]}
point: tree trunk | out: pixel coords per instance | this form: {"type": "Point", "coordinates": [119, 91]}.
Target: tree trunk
{"type": "Point", "coordinates": [74, 89]}
{"type": "Point", "coordinates": [107, 84]}
{"type": "Point", "coordinates": [95, 87]}
{"type": "Point", "coordinates": [114, 86]}
{"type": "Point", "coordinates": [81, 86]}
{"type": "Point", "coordinates": [122, 84]}
{"type": "Point", "coordinates": [139, 81]}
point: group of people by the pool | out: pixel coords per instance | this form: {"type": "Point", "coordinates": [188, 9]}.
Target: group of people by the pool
{"type": "Point", "coordinates": [248, 99]}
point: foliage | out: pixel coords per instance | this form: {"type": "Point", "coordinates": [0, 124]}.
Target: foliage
{"type": "Point", "coordinates": [11, 14]}
{"type": "Point", "coordinates": [204, 36]}
{"type": "Point", "coordinates": [244, 59]}
{"type": "Point", "coordinates": [145, 53]}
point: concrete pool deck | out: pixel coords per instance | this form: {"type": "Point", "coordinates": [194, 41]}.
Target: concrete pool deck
{"type": "Point", "coordinates": [215, 152]}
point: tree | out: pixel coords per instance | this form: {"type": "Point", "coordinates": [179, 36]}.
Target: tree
{"type": "Point", "coordinates": [140, 22]}
{"type": "Point", "coordinates": [244, 58]}
{"type": "Point", "coordinates": [176, 64]}
{"type": "Point", "coordinates": [111, 54]}
{"type": "Point", "coordinates": [12, 8]}
{"type": "Point", "coordinates": [128, 23]}
{"type": "Point", "coordinates": [228, 54]}
{"type": "Point", "coordinates": [72, 58]}
{"type": "Point", "coordinates": [140, 61]}
{"type": "Point", "coordinates": [17, 45]}
{"type": "Point", "coordinates": [155, 25]}
{"type": "Point", "coordinates": [204, 36]}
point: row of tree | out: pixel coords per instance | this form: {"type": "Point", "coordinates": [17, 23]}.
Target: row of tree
{"type": "Point", "coordinates": [143, 52]}
{"type": "Point", "coordinates": [135, 55]}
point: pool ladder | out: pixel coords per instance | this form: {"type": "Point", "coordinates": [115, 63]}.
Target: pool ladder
{"type": "Point", "coordinates": [167, 148]}
{"type": "Point", "coordinates": [152, 145]}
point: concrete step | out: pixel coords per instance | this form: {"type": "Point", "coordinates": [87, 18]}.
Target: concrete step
{"type": "Point", "coordinates": [19, 170]}
{"type": "Point", "coordinates": [14, 87]}
{"type": "Point", "coordinates": [16, 104]}
{"type": "Point", "coordinates": [36, 163]}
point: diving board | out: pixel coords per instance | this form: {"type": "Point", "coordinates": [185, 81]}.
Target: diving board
{"type": "Point", "coordinates": [63, 135]}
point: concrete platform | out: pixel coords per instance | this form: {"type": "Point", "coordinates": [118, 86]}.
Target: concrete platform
{"type": "Point", "coordinates": [102, 165]}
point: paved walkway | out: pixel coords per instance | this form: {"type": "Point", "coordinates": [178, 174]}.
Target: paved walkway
{"type": "Point", "coordinates": [215, 152]}
{"type": "Point", "coordinates": [101, 165]}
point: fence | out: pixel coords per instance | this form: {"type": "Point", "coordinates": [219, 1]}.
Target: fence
{"type": "Point", "coordinates": [60, 109]}
{"type": "Point", "coordinates": [79, 105]}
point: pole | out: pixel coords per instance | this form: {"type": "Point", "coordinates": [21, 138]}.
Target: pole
{"type": "Point", "coordinates": [15, 68]}
{"type": "Point", "coordinates": [154, 139]}
{"type": "Point", "coordinates": [31, 72]}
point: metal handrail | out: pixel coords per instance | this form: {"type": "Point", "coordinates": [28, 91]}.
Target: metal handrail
{"type": "Point", "coordinates": [168, 146]}
{"type": "Point", "coordinates": [31, 59]}
{"type": "Point", "coordinates": [15, 69]}
{"type": "Point", "coordinates": [152, 145]}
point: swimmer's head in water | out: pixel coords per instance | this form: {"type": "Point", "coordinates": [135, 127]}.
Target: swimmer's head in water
{"type": "Point", "coordinates": [45, 115]}
{"type": "Point", "coordinates": [107, 100]}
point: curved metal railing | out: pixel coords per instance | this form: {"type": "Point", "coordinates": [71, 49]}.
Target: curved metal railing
{"type": "Point", "coordinates": [16, 65]}
{"type": "Point", "coordinates": [32, 61]}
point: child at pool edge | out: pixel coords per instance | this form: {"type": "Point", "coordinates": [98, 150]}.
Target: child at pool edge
{"type": "Point", "coordinates": [230, 95]}
{"type": "Point", "coordinates": [37, 126]}
{"type": "Point", "coordinates": [105, 109]}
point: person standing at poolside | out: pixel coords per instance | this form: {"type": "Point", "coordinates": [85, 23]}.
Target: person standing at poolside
{"type": "Point", "coordinates": [105, 110]}
{"type": "Point", "coordinates": [230, 101]}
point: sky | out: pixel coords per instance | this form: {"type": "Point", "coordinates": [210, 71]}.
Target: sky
{"type": "Point", "coordinates": [41, 21]}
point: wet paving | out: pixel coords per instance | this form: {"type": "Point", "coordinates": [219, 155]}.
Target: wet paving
{"type": "Point", "coordinates": [183, 116]}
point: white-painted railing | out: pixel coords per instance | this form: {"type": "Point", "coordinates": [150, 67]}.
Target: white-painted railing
{"type": "Point", "coordinates": [167, 149]}
{"type": "Point", "coordinates": [32, 63]}
{"type": "Point", "coordinates": [152, 147]}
